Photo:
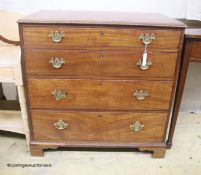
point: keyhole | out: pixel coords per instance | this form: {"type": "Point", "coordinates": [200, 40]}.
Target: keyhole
{"type": "Point", "coordinates": [100, 57]}
{"type": "Point", "coordinates": [99, 115]}
{"type": "Point", "coordinates": [102, 33]}
{"type": "Point", "coordinates": [100, 83]}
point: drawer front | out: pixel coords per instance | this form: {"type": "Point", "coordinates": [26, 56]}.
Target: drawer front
{"type": "Point", "coordinates": [99, 126]}
{"type": "Point", "coordinates": [98, 37]}
{"type": "Point", "coordinates": [97, 63]}
{"type": "Point", "coordinates": [196, 50]}
{"type": "Point", "coordinates": [99, 94]}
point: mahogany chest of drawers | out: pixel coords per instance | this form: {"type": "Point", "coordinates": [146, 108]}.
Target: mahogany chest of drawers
{"type": "Point", "coordinates": [99, 79]}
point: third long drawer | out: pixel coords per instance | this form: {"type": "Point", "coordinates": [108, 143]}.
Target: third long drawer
{"type": "Point", "coordinates": [99, 94]}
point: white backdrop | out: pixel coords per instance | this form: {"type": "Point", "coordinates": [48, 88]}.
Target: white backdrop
{"type": "Point", "coordinates": [171, 7]}
{"type": "Point", "coordinates": [194, 9]}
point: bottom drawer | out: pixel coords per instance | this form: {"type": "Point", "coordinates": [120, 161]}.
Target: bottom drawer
{"type": "Point", "coordinates": [98, 126]}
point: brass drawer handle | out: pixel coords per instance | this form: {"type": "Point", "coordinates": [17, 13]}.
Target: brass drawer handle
{"type": "Point", "coordinates": [57, 62]}
{"type": "Point", "coordinates": [147, 38]}
{"type": "Point", "coordinates": [136, 126]}
{"type": "Point", "coordinates": [140, 94]}
{"type": "Point", "coordinates": [58, 94]}
{"type": "Point", "coordinates": [146, 66]}
{"type": "Point", "coordinates": [60, 124]}
{"type": "Point", "coordinates": [56, 36]}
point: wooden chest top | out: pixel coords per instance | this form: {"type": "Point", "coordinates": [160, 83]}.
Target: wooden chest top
{"type": "Point", "coordinates": [102, 18]}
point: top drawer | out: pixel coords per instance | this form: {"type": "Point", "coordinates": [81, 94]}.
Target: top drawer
{"type": "Point", "coordinates": [98, 37]}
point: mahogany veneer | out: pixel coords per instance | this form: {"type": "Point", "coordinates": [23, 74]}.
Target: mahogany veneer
{"type": "Point", "coordinates": [99, 63]}
{"type": "Point", "coordinates": [115, 38]}
{"type": "Point", "coordinates": [99, 94]}
{"type": "Point", "coordinates": [84, 83]}
{"type": "Point", "coordinates": [99, 126]}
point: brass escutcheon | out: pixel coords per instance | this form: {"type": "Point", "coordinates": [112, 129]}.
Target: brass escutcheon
{"type": "Point", "coordinates": [140, 94]}
{"type": "Point", "coordinates": [57, 62]}
{"type": "Point", "coordinates": [136, 126]}
{"type": "Point", "coordinates": [58, 94]}
{"type": "Point", "coordinates": [56, 36]}
{"type": "Point", "coordinates": [60, 125]}
{"type": "Point", "coordinates": [147, 38]}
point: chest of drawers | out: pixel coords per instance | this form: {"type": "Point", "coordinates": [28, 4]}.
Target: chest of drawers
{"type": "Point", "coordinates": [99, 79]}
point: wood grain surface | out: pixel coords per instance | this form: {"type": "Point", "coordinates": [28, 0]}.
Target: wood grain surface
{"type": "Point", "coordinates": [101, 18]}
{"type": "Point", "coordinates": [99, 63]}
{"type": "Point", "coordinates": [196, 51]}
{"type": "Point", "coordinates": [104, 38]}
{"type": "Point", "coordinates": [98, 126]}
{"type": "Point", "coordinates": [99, 94]}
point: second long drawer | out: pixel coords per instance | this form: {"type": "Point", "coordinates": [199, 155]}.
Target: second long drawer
{"type": "Point", "coordinates": [98, 63]}
{"type": "Point", "coordinates": [99, 94]}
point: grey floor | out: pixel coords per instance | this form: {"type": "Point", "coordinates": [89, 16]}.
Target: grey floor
{"type": "Point", "coordinates": [183, 159]}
